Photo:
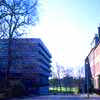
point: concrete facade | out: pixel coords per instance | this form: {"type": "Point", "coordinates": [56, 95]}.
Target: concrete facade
{"type": "Point", "coordinates": [30, 63]}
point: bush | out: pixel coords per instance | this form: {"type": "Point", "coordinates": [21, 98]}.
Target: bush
{"type": "Point", "coordinates": [63, 90]}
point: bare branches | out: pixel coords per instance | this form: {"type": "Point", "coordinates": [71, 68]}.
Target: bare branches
{"type": "Point", "coordinates": [2, 31]}
{"type": "Point", "coordinates": [4, 15]}
{"type": "Point", "coordinates": [17, 13]}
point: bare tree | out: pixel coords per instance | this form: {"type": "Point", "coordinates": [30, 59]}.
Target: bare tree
{"type": "Point", "coordinates": [15, 16]}
{"type": "Point", "coordinates": [58, 67]}
{"type": "Point", "coordinates": [80, 73]}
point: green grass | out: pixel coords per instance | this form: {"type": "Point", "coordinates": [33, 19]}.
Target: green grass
{"type": "Point", "coordinates": [63, 90]}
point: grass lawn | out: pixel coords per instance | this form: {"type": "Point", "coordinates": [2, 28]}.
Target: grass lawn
{"type": "Point", "coordinates": [63, 90]}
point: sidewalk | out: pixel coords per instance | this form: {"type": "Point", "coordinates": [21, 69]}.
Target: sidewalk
{"type": "Point", "coordinates": [60, 97]}
{"type": "Point", "coordinates": [91, 96]}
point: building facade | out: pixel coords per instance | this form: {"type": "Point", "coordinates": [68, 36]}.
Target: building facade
{"type": "Point", "coordinates": [30, 63]}
{"type": "Point", "coordinates": [92, 65]}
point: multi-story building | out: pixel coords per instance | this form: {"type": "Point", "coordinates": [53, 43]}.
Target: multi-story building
{"type": "Point", "coordinates": [92, 66]}
{"type": "Point", "coordinates": [30, 64]}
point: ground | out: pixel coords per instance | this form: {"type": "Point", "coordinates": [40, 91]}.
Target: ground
{"type": "Point", "coordinates": [59, 97]}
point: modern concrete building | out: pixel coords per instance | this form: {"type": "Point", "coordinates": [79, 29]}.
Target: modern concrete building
{"type": "Point", "coordinates": [30, 63]}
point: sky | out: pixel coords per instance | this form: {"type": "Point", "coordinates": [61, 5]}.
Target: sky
{"type": "Point", "coordinates": [67, 28]}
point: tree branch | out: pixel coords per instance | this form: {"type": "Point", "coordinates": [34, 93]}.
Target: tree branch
{"type": "Point", "coordinates": [4, 15]}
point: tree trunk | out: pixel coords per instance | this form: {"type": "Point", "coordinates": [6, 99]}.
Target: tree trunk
{"type": "Point", "coordinates": [9, 60]}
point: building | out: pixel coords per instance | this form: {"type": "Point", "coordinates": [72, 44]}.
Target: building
{"type": "Point", "coordinates": [88, 76]}
{"type": "Point", "coordinates": [92, 66]}
{"type": "Point", "coordinates": [30, 64]}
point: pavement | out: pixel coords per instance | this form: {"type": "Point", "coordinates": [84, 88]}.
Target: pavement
{"type": "Point", "coordinates": [60, 97]}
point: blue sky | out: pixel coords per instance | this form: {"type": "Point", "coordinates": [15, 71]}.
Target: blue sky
{"type": "Point", "coordinates": [67, 27]}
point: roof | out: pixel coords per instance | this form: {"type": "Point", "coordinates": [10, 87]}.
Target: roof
{"type": "Point", "coordinates": [32, 40]}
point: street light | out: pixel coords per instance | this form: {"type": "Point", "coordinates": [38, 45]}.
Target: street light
{"type": "Point", "coordinates": [87, 80]}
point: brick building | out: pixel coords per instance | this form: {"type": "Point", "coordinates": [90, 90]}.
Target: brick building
{"type": "Point", "coordinates": [92, 65]}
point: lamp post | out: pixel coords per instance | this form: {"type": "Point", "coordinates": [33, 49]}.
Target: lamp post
{"type": "Point", "coordinates": [87, 80]}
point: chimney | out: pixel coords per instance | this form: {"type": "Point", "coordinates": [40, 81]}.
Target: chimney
{"type": "Point", "coordinates": [99, 32]}
{"type": "Point", "coordinates": [96, 39]}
